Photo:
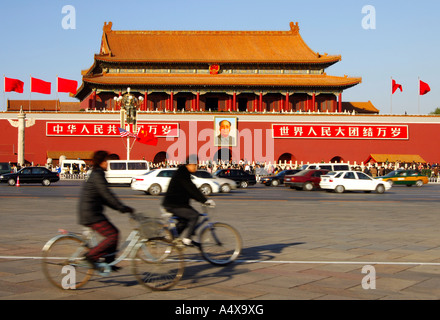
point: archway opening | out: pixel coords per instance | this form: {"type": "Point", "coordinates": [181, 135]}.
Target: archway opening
{"type": "Point", "coordinates": [286, 157]}
{"type": "Point", "coordinates": [223, 154]}
{"type": "Point", "coordinates": [337, 159]}
{"type": "Point", "coordinates": [160, 157]}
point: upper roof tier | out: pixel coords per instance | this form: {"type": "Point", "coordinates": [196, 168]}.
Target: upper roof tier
{"type": "Point", "coordinates": [244, 47]}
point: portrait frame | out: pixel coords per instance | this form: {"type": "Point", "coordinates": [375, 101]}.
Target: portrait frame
{"type": "Point", "coordinates": [231, 139]}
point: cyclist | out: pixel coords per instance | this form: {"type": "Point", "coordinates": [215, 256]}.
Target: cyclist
{"type": "Point", "coordinates": [180, 190]}
{"type": "Point", "coordinates": [96, 194]}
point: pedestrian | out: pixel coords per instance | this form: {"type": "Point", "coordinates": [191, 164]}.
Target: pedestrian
{"type": "Point", "coordinates": [373, 171]}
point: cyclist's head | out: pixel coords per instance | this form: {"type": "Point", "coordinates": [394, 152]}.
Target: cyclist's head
{"type": "Point", "coordinates": [191, 163]}
{"type": "Point", "coordinates": [100, 159]}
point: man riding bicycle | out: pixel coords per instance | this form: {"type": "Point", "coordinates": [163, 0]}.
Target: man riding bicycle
{"type": "Point", "coordinates": [96, 194]}
{"type": "Point", "coordinates": [180, 190]}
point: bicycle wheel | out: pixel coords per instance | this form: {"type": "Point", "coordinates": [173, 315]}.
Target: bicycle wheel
{"type": "Point", "coordinates": [161, 270]}
{"type": "Point", "coordinates": [220, 243]}
{"type": "Point", "coordinates": [155, 245]}
{"type": "Point", "coordinates": [63, 264]}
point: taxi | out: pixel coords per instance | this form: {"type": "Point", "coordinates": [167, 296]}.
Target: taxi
{"type": "Point", "coordinates": [405, 177]}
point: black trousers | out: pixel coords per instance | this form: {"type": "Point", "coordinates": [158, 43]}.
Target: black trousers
{"type": "Point", "coordinates": [190, 216]}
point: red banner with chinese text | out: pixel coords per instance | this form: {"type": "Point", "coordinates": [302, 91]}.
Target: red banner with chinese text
{"type": "Point", "coordinates": [340, 131]}
{"type": "Point", "coordinates": [108, 129]}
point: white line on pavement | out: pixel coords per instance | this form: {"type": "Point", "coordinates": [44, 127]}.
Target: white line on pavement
{"type": "Point", "coordinates": [283, 262]}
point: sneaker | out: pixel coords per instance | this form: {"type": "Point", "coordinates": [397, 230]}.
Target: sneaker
{"type": "Point", "coordinates": [190, 243]}
{"type": "Point", "coordinates": [187, 242]}
{"type": "Point", "coordinates": [116, 268]}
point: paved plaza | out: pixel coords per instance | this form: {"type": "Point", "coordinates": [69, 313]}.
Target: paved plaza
{"type": "Point", "coordinates": [297, 246]}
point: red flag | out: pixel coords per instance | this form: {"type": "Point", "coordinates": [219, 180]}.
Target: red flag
{"type": "Point", "coordinates": [13, 85]}
{"type": "Point", "coordinates": [146, 138]}
{"type": "Point", "coordinates": [424, 88]}
{"type": "Point", "coordinates": [66, 85]}
{"type": "Point", "coordinates": [40, 86]}
{"type": "Point", "coordinates": [396, 86]}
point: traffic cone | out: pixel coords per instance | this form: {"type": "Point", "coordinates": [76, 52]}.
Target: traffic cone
{"type": "Point", "coordinates": [18, 182]}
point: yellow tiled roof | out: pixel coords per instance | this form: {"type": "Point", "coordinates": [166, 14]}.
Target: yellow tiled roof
{"type": "Point", "coordinates": [209, 47]}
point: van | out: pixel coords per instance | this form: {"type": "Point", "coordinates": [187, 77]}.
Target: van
{"type": "Point", "coordinates": [121, 171]}
{"type": "Point", "coordinates": [72, 166]}
{"type": "Point", "coordinates": [327, 166]}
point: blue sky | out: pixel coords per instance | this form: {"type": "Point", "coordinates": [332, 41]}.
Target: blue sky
{"type": "Point", "coordinates": [405, 44]}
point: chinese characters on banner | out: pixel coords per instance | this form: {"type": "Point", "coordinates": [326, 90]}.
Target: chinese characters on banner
{"type": "Point", "coordinates": [107, 129]}
{"type": "Point", "coordinates": [344, 131]}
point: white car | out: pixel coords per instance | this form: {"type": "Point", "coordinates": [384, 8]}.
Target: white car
{"type": "Point", "coordinates": [353, 181]}
{"type": "Point", "coordinates": [155, 182]}
{"type": "Point", "coordinates": [226, 185]}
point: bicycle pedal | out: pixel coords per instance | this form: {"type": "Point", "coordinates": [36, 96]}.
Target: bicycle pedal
{"type": "Point", "coordinates": [178, 243]}
{"type": "Point", "coordinates": [103, 269]}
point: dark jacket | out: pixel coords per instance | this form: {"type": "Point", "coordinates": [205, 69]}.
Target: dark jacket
{"type": "Point", "coordinates": [96, 194]}
{"type": "Point", "coordinates": [181, 190]}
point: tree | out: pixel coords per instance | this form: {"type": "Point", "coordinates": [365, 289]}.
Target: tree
{"type": "Point", "coordinates": [436, 111]}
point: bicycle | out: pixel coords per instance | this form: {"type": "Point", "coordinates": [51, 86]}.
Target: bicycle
{"type": "Point", "coordinates": [145, 248]}
{"type": "Point", "coordinates": [220, 243]}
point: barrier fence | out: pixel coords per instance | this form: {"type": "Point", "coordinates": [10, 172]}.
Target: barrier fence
{"type": "Point", "coordinates": [82, 176]}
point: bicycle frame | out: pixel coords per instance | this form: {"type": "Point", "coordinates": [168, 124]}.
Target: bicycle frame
{"type": "Point", "coordinates": [171, 222]}
{"type": "Point", "coordinates": [90, 239]}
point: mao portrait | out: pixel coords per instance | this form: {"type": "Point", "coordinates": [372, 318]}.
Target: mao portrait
{"type": "Point", "coordinates": [225, 131]}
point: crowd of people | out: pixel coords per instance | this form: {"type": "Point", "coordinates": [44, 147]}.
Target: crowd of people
{"type": "Point", "coordinates": [432, 170]}
{"type": "Point", "coordinates": [272, 168]}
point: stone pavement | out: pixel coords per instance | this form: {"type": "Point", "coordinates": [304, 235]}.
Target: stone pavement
{"type": "Point", "coordinates": [296, 247]}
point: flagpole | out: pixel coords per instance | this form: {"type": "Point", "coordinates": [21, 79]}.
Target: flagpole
{"type": "Point", "coordinates": [4, 92]}
{"type": "Point", "coordinates": [56, 101]}
{"type": "Point", "coordinates": [418, 94]}
{"type": "Point", "coordinates": [391, 97]}
{"type": "Point", "coordinates": [30, 92]}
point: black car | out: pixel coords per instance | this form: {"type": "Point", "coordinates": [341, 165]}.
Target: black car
{"type": "Point", "coordinates": [242, 178]}
{"type": "Point", "coordinates": [278, 178]}
{"type": "Point", "coordinates": [31, 175]}
{"type": "Point", "coordinates": [5, 167]}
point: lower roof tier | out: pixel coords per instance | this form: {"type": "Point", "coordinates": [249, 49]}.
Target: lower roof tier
{"type": "Point", "coordinates": [306, 83]}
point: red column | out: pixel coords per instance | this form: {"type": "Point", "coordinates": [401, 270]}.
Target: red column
{"type": "Point", "coordinates": [198, 102]}
{"type": "Point", "coordinates": [313, 102]}
{"type": "Point", "coordinates": [234, 101]}
{"type": "Point", "coordinates": [118, 104]}
{"type": "Point", "coordinates": [94, 100]}
{"type": "Point", "coordinates": [340, 103]}
{"type": "Point", "coordinates": [260, 107]}
{"type": "Point", "coordinates": [287, 102]}
{"type": "Point", "coordinates": [172, 101]}
{"type": "Point", "coordinates": [146, 101]}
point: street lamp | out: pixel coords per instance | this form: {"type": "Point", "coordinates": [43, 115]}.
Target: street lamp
{"type": "Point", "coordinates": [128, 114]}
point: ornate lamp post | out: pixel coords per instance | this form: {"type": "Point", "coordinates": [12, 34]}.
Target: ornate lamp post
{"type": "Point", "coordinates": [128, 115]}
